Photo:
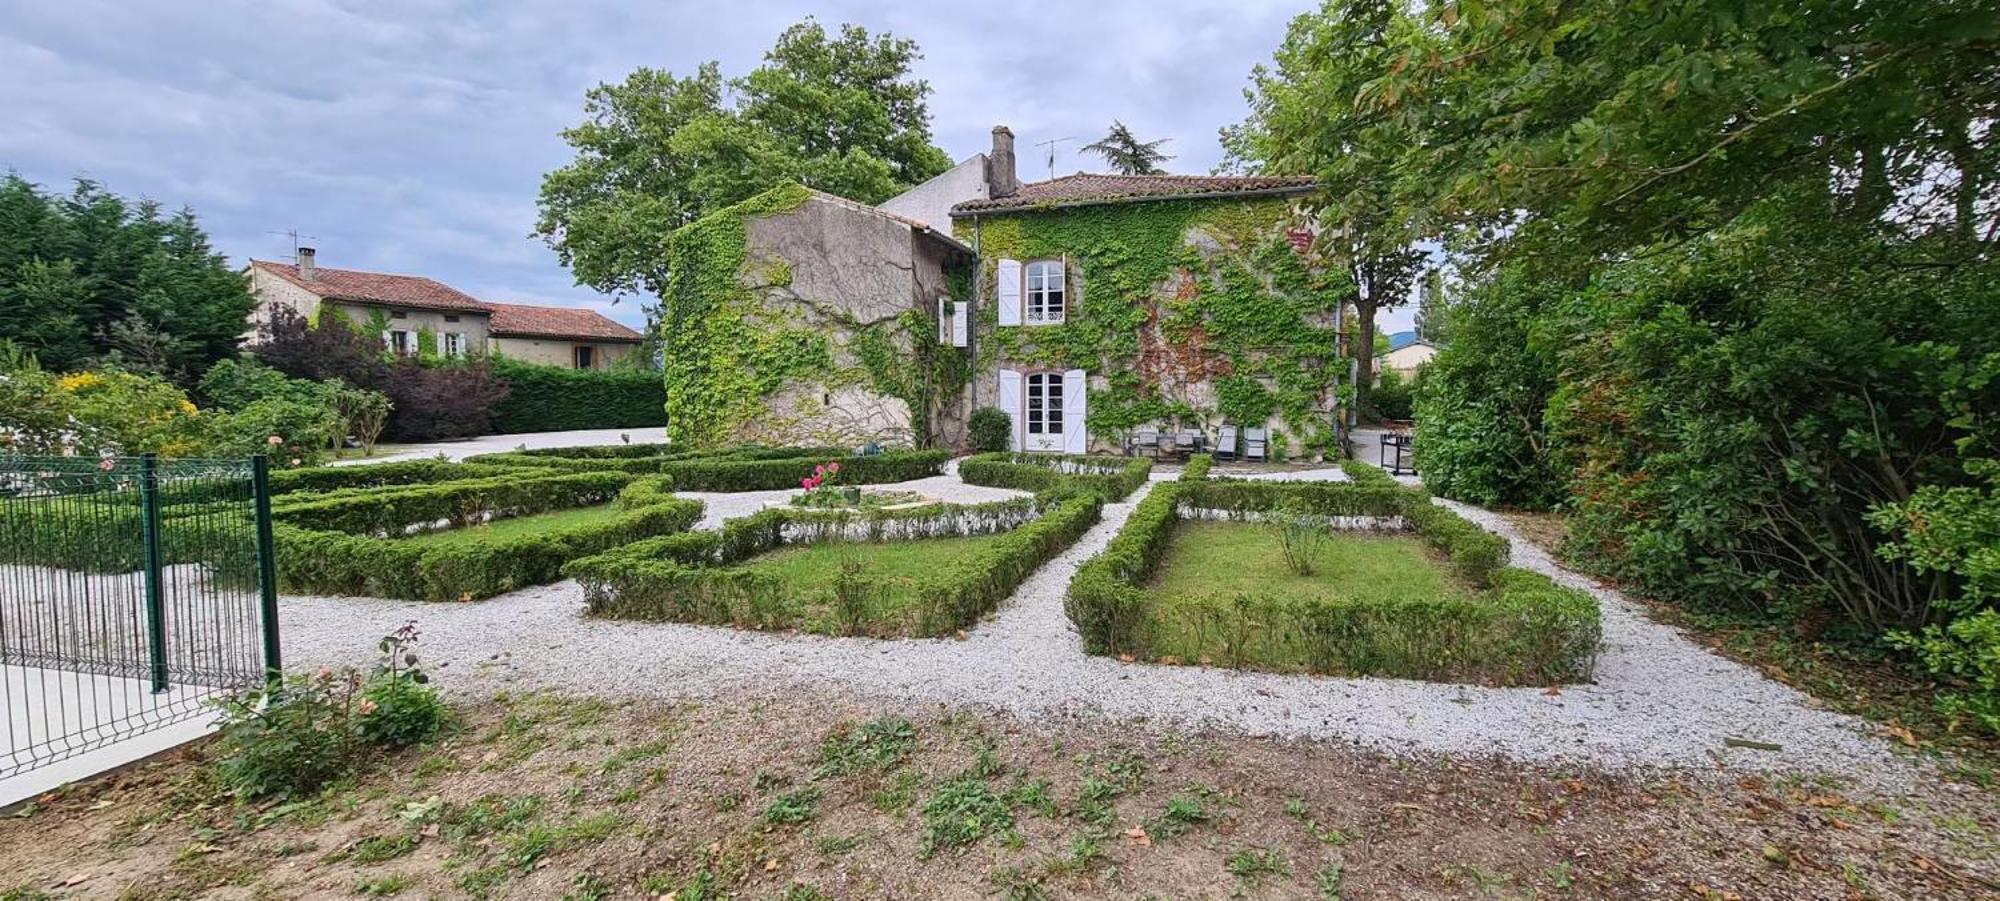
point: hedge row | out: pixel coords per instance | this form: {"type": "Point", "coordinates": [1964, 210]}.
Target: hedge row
{"type": "Point", "coordinates": [1197, 467]}
{"type": "Point", "coordinates": [378, 475]}
{"type": "Point", "coordinates": [556, 399]}
{"type": "Point", "coordinates": [1112, 478]}
{"type": "Point", "coordinates": [617, 458]}
{"type": "Point", "coordinates": [734, 474]}
{"type": "Point", "coordinates": [335, 562]}
{"type": "Point", "coordinates": [690, 577]}
{"type": "Point", "coordinates": [392, 513]}
{"type": "Point", "coordinates": [1521, 629]}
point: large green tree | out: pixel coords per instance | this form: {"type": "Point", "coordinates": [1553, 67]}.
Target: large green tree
{"type": "Point", "coordinates": [1309, 113]}
{"type": "Point", "coordinates": [93, 275]}
{"type": "Point", "coordinates": [840, 113]}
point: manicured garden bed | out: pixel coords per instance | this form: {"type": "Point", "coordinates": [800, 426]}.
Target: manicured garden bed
{"type": "Point", "coordinates": [731, 469]}
{"type": "Point", "coordinates": [1112, 478]}
{"type": "Point", "coordinates": [1389, 585]}
{"type": "Point", "coordinates": [920, 572]}
{"type": "Point", "coordinates": [466, 539]}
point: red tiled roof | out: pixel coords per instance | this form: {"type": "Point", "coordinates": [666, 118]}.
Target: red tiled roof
{"type": "Point", "coordinates": [375, 287]}
{"type": "Point", "coordinates": [1086, 188]}
{"type": "Point", "coordinates": [519, 319]}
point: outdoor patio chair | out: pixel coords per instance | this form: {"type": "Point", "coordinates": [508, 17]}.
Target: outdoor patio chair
{"type": "Point", "coordinates": [1254, 445]}
{"type": "Point", "coordinates": [1225, 443]}
{"type": "Point", "coordinates": [1145, 441]}
{"type": "Point", "coordinates": [1187, 442]}
{"type": "Point", "coordinates": [1164, 446]}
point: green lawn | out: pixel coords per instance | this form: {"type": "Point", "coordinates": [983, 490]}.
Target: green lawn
{"type": "Point", "coordinates": [1206, 558]}
{"type": "Point", "coordinates": [890, 569]}
{"type": "Point", "coordinates": [1208, 565]}
{"type": "Point", "coordinates": [501, 529]}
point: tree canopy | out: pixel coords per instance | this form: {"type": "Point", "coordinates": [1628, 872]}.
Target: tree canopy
{"type": "Point", "coordinates": [91, 276]}
{"type": "Point", "coordinates": [1127, 154]}
{"type": "Point", "coordinates": [840, 113]}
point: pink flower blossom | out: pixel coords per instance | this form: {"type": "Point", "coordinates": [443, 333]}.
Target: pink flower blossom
{"type": "Point", "coordinates": [833, 467]}
{"type": "Point", "coordinates": [274, 440]}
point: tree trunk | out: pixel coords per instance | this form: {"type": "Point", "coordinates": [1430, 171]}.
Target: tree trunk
{"type": "Point", "coordinates": [1365, 304]}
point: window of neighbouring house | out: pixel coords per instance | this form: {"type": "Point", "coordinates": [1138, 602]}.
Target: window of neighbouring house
{"type": "Point", "coordinates": [586, 358]}
{"type": "Point", "coordinates": [1048, 295]}
{"type": "Point", "coordinates": [401, 343]}
{"type": "Point", "coordinates": [452, 344]}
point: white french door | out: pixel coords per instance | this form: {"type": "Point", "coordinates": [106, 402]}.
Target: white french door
{"type": "Point", "coordinates": [1044, 417]}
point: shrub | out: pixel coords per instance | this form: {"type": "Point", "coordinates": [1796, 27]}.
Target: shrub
{"type": "Point", "coordinates": [348, 542]}
{"type": "Point", "coordinates": [432, 402]}
{"type": "Point", "coordinates": [1112, 478]}
{"type": "Point", "coordinates": [689, 578]}
{"type": "Point", "coordinates": [1304, 537]}
{"type": "Point", "coordinates": [293, 739]}
{"type": "Point", "coordinates": [1197, 467]}
{"type": "Point", "coordinates": [1954, 534]}
{"type": "Point", "coordinates": [1391, 398]}
{"type": "Point", "coordinates": [991, 430]}
{"type": "Point", "coordinates": [552, 398]}
{"type": "Point", "coordinates": [378, 475]}
{"type": "Point", "coordinates": [1524, 629]}
{"type": "Point", "coordinates": [735, 474]}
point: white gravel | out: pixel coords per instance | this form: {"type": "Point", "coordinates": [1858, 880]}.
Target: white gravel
{"type": "Point", "coordinates": [1660, 700]}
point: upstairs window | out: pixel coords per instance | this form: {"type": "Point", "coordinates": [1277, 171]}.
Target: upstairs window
{"type": "Point", "coordinates": [1048, 293]}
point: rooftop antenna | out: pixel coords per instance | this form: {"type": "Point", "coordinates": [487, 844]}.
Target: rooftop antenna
{"type": "Point", "coordinates": [293, 234]}
{"type": "Point", "coordinates": [1051, 145]}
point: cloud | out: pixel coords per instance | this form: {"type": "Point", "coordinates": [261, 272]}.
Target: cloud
{"type": "Point", "coordinates": [411, 135]}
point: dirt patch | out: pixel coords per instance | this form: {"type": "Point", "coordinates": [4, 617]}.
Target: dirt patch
{"type": "Point", "coordinates": [825, 797]}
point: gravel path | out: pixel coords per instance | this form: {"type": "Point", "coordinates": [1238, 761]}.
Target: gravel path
{"type": "Point", "coordinates": [1659, 699]}
{"type": "Point", "coordinates": [496, 444]}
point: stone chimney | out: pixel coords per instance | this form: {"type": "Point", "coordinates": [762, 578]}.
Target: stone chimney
{"type": "Point", "coordinates": [1000, 180]}
{"type": "Point", "coordinates": [306, 269]}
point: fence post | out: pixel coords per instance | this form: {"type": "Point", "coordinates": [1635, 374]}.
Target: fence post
{"type": "Point", "coordinates": [267, 567]}
{"type": "Point", "coordinates": [156, 599]}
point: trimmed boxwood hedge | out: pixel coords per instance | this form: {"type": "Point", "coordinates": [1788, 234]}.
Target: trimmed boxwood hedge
{"type": "Point", "coordinates": [1520, 629]}
{"type": "Point", "coordinates": [330, 561]}
{"type": "Point", "coordinates": [1197, 467]}
{"type": "Point", "coordinates": [737, 474]}
{"type": "Point", "coordinates": [1112, 478]}
{"type": "Point", "coordinates": [558, 399]}
{"type": "Point", "coordinates": [692, 577]}
{"type": "Point", "coordinates": [393, 513]}
{"type": "Point", "coordinates": [377, 475]}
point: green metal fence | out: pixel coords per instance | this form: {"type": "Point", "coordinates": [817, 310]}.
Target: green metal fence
{"type": "Point", "coordinates": [132, 591]}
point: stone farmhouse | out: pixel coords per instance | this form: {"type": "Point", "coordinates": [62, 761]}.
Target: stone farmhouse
{"type": "Point", "coordinates": [1089, 308]}
{"type": "Point", "coordinates": [417, 314]}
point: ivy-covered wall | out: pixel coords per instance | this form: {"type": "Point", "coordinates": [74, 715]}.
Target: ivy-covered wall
{"type": "Point", "coordinates": [797, 317]}
{"type": "Point", "coordinates": [1189, 312]}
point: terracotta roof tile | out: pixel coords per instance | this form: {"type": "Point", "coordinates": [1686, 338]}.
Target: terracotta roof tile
{"type": "Point", "coordinates": [1087, 188]}
{"type": "Point", "coordinates": [374, 287]}
{"type": "Point", "coordinates": [524, 320]}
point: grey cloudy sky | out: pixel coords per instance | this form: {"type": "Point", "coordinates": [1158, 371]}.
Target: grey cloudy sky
{"type": "Point", "coordinates": [411, 135]}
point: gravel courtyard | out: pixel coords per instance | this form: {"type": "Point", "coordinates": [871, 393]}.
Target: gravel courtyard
{"type": "Point", "coordinates": [1659, 699]}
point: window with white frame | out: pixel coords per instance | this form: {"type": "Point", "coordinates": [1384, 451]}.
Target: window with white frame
{"type": "Point", "coordinates": [401, 343]}
{"type": "Point", "coordinates": [1045, 403]}
{"type": "Point", "coordinates": [452, 344]}
{"type": "Point", "coordinates": [1048, 294]}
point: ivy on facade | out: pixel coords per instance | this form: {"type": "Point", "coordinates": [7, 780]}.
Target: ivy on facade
{"type": "Point", "coordinates": [1169, 295]}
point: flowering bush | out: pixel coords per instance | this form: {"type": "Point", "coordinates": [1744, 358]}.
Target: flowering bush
{"type": "Point", "coordinates": [820, 492]}
{"type": "Point", "coordinates": [292, 740]}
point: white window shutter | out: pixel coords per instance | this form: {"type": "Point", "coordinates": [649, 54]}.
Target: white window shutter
{"type": "Point", "coordinates": [943, 321]}
{"type": "Point", "coordinates": [1074, 395]}
{"type": "Point", "coordinates": [961, 318]}
{"type": "Point", "coordinates": [1007, 291]}
{"type": "Point", "coordinates": [1010, 404]}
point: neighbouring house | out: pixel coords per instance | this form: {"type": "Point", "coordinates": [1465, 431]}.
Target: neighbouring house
{"type": "Point", "coordinates": [417, 315]}
{"type": "Point", "coordinates": [1088, 308]}
{"type": "Point", "coordinates": [1407, 353]}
